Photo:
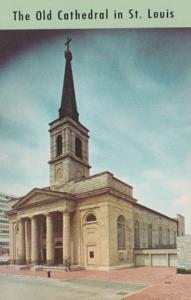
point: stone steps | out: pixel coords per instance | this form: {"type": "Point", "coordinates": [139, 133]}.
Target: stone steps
{"type": "Point", "coordinates": [57, 268]}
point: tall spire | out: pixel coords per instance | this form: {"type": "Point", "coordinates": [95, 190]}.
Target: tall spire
{"type": "Point", "coordinates": [68, 106]}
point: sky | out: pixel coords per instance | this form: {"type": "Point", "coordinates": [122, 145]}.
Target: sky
{"type": "Point", "coordinates": [133, 90]}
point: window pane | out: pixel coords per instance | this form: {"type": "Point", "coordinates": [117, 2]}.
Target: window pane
{"type": "Point", "coordinates": [59, 145]}
{"type": "Point", "coordinates": [137, 235]}
{"type": "Point", "coordinates": [90, 218]}
{"type": "Point", "coordinates": [91, 254]}
{"type": "Point", "coordinates": [150, 236]}
{"type": "Point", "coordinates": [78, 147]}
{"type": "Point", "coordinates": [121, 233]}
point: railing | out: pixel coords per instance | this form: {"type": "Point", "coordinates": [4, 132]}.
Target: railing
{"type": "Point", "coordinates": [156, 247]}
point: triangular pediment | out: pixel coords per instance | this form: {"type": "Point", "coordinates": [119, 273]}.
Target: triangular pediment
{"type": "Point", "coordinates": [36, 196]}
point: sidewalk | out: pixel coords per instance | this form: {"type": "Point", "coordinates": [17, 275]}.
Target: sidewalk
{"type": "Point", "coordinates": [165, 283]}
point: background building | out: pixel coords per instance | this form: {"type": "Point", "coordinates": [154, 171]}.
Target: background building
{"type": "Point", "coordinates": [4, 223]}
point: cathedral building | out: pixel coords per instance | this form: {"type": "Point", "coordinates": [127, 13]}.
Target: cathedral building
{"type": "Point", "coordinates": [91, 221]}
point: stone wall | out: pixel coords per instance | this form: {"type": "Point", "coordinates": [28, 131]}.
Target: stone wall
{"type": "Point", "coordinates": [67, 166]}
{"type": "Point", "coordinates": [147, 217]}
{"type": "Point", "coordinates": [181, 225]}
{"type": "Point", "coordinates": [93, 234]}
{"type": "Point", "coordinates": [102, 235]}
{"type": "Point", "coordinates": [119, 207]}
{"type": "Point", "coordinates": [96, 182]}
{"type": "Point", "coordinates": [184, 252]}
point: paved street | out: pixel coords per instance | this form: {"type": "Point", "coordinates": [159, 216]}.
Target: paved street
{"type": "Point", "coordinates": [25, 288]}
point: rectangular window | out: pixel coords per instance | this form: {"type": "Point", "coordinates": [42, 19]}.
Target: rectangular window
{"type": "Point", "coordinates": [91, 254]}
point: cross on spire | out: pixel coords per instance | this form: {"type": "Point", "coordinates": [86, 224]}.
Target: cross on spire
{"type": "Point", "coordinates": [68, 43]}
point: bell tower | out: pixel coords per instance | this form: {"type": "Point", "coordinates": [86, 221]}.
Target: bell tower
{"type": "Point", "coordinates": [68, 137]}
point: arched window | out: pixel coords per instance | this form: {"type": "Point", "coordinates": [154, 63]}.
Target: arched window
{"type": "Point", "coordinates": [150, 236]}
{"type": "Point", "coordinates": [174, 238]}
{"type": "Point", "coordinates": [58, 145]}
{"type": "Point", "coordinates": [160, 237]}
{"type": "Point", "coordinates": [90, 218]}
{"type": "Point", "coordinates": [137, 235]}
{"type": "Point", "coordinates": [168, 237]}
{"type": "Point", "coordinates": [78, 147]}
{"type": "Point", "coordinates": [121, 233]}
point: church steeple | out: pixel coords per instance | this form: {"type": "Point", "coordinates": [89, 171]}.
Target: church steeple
{"type": "Point", "coordinates": [69, 158]}
{"type": "Point", "coordinates": [68, 106]}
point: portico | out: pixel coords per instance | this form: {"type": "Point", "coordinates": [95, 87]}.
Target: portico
{"type": "Point", "coordinates": [43, 227]}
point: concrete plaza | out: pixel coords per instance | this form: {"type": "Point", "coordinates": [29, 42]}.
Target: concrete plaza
{"type": "Point", "coordinates": [144, 283]}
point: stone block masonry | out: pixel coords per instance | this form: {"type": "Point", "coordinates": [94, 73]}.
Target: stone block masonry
{"type": "Point", "coordinates": [184, 253]}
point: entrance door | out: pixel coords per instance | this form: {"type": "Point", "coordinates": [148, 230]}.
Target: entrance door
{"type": "Point", "coordinates": [58, 253]}
{"type": "Point", "coordinates": [91, 255]}
{"type": "Point", "coordinates": [44, 256]}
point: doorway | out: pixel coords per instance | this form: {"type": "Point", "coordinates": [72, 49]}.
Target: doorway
{"type": "Point", "coordinates": [44, 256]}
{"type": "Point", "coordinates": [91, 255]}
{"type": "Point", "coordinates": [58, 253]}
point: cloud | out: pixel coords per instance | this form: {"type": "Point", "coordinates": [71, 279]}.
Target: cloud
{"type": "Point", "coordinates": [182, 201]}
{"type": "Point", "coordinates": [179, 184]}
{"type": "Point", "coordinates": [4, 157]}
{"type": "Point", "coordinates": [165, 190]}
{"type": "Point", "coordinates": [153, 174]}
{"type": "Point", "coordinates": [182, 188]}
{"type": "Point", "coordinates": [188, 164]}
{"type": "Point", "coordinates": [24, 135]}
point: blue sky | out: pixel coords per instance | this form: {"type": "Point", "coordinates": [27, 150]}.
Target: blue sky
{"type": "Point", "coordinates": [133, 90]}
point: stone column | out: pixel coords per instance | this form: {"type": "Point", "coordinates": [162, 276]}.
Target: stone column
{"type": "Point", "coordinates": [11, 242]}
{"type": "Point", "coordinates": [66, 236]}
{"type": "Point", "coordinates": [49, 240]}
{"type": "Point", "coordinates": [28, 241]}
{"type": "Point", "coordinates": [34, 241]}
{"type": "Point", "coordinates": [21, 258]}
{"type": "Point", "coordinates": [41, 240]}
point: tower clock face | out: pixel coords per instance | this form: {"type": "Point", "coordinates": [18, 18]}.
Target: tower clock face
{"type": "Point", "coordinates": [58, 172]}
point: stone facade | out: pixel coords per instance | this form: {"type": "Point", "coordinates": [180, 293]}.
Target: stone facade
{"type": "Point", "coordinates": [55, 225]}
{"type": "Point", "coordinates": [181, 225]}
{"type": "Point", "coordinates": [184, 253]}
{"type": "Point", "coordinates": [68, 165]}
{"type": "Point", "coordinates": [163, 230]}
{"type": "Point", "coordinates": [92, 221]}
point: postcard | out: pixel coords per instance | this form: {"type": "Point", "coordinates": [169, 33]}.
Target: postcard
{"type": "Point", "coordinates": [95, 148]}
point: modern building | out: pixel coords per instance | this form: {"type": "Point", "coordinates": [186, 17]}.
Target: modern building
{"type": "Point", "coordinates": [92, 221]}
{"type": "Point", "coordinates": [4, 222]}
